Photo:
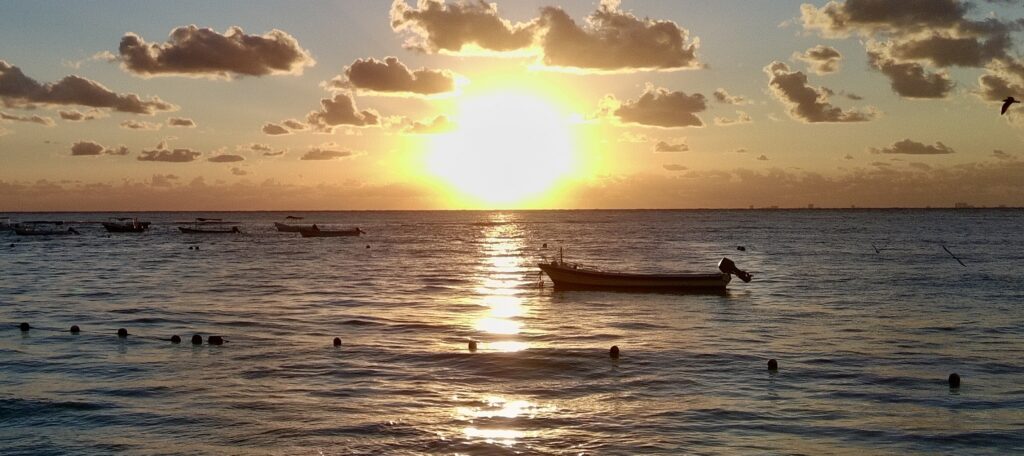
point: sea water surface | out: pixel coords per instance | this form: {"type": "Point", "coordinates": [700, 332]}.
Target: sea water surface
{"type": "Point", "coordinates": [865, 312]}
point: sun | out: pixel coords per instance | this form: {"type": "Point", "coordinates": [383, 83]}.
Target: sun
{"type": "Point", "coordinates": [507, 148]}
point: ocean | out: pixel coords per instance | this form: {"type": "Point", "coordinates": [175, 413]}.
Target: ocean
{"type": "Point", "coordinates": [864, 310]}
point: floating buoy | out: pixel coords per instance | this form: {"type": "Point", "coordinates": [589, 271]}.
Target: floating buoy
{"type": "Point", "coordinates": [741, 248]}
{"type": "Point", "coordinates": [367, 245]}
{"type": "Point", "coordinates": [74, 329]}
{"type": "Point", "coordinates": [175, 339]}
{"type": "Point", "coordinates": [954, 380]}
{"type": "Point", "coordinates": [614, 352]}
{"type": "Point", "coordinates": [24, 327]}
{"type": "Point", "coordinates": [197, 340]}
{"type": "Point", "coordinates": [773, 365]}
{"type": "Point", "coordinates": [544, 246]}
{"type": "Point", "coordinates": [215, 340]}
{"type": "Point", "coordinates": [337, 341]}
{"type": "Point", "coordinates": [472, 345]}
{"type": "Point", "coordinates": [122, 333]}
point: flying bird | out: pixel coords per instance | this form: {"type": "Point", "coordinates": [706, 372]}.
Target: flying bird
{"type": "Point", "coordinates": [1006, 104]}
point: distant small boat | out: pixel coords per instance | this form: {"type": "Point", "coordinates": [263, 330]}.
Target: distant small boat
{"type": "Point", "coordinates": [292, 217]}
{"type": "Point", "coordinates": [286, 228]}
{"type": "Point", "coordinates": [567, 276]}
{"type": "Point", "coordinates": [5, 224]}
{"type": "Point", "coordinates": [125, 225]}
{"type": "Point", "coordinates": [202, 222]}
{"type": "Point", "coordinates": [315, 231]}
{"type": "Point", "coordinates": [43, 228]}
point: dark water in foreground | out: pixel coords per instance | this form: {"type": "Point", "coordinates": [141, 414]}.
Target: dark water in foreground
{"type": "Point", "coordinates": [865, 340]}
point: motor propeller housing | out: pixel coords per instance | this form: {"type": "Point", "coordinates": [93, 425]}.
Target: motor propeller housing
{"type": "Point", "coordinates": [728, 267]}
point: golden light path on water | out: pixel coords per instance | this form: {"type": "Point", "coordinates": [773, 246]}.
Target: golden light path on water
{"type": "Point", "coordinates": [501, 284]}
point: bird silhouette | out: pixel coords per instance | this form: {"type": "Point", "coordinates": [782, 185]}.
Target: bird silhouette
{"type": "Point", "coordinates": [1006, 104]}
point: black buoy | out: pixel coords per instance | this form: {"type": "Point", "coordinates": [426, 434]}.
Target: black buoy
{"type": "Point", "coordinates": [24, 327]}
{"type": "Point", "coordinates": [337, 341]}
{"type": "Point", "coordinates": [544, 246]}
{"type": "Point", "coordinates": [773, 365]}
{"type": "Point", "coordinates": [614, 352]}
{"type": "Point", "coordinates": [197, 340]}
{"type": "Point", "coordinates": [954, 380]}
{"type": "Point", "coordinates": [122, 333]}
{"type": "Point", "coordinates": [367, 245]}
{"type": "Point", "coordinates": [741, 248]}
{"type": "Point", "coordinates": [175, 339]}
{"type": "Point", "coordinates": [472, 345]}
{"type": "Point", "coordinates": [215, 340]}
{"type": "Point", "coordinates": [75, 329]}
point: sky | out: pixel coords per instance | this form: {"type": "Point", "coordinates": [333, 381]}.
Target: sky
{"type": "Point", "coordinates": [427, 104]}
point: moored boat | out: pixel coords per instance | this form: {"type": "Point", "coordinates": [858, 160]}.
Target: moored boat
{"type": "Point", "coordinates": [43, 228]}
{"type": "Point", "coordinates": [286, 228]}
{"type": "Point", "coordinates": [200, 227]}
{"type": "Point", "coordinates": [568, 276]}
{"type": "Point", "coordinates": [125, 225]}
{"type": "Point", "coordinates": [315, 231]}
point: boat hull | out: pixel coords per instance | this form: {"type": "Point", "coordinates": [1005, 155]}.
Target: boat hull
{"type": "Point", "coordinates": [567, 277]}
{"type": "Point", "coordinates": [126, 228]}
{"type": "Point", "coordinates": [324, 233]}
{"type": "Point", "coordinates": [187, 230]}
{"type": "Point", "coordinates": [286, 228]}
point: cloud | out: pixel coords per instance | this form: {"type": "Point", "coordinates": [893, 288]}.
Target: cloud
{"type": "Point", "coordinates": [91, 148]}
{"type": "Point", "coordinates": [807, 104]}
{"type": "Point", "coordinates": [341, 110]}
{"type": "Point", "coordinates": [433, 26]}
{"type": "Point", "coordinates": [329, 151]}
{"type": "Point", "coordinates": [181, 122]}
{"type": "Point", "coordinates": [137, 125]}
{"type": "Point", "coordinates": [658, 107]}
{"type": "Point", "coordinates": [294, 125]}
{"type": "Point", "coordinates": [393, 77]}
{"type": "Point", "coordinates": [255, 147]}
{"type": "Point", "coordinates": [440, 124]}
{"type": "Point", "coordinates": [821, 59]}
{"type": "Point", "coordinates": [275, 129]}
{"type": "Point", "coordinates": [162, 154]}
{"type": "Point", "coordinates": [1004, 76]}
{"type": "Point", "coordinates": [163, 180]}
{"type": "Point", "coordinates": [77, 116]}
{"type": "Point", "coordinates": [202, 52]}
{"type": "Point", "coordinates": [16, 89]}
{"type": "Point", "coordinates": [920, 166]}
{"type": "Point", "coordinates": [238, 171]}
{"type": "Point", "coordinates": [614, 41]}
{"type": "Point", "coordinates": [663, 146]}
{"type": "Point", "coordinates": [273, 154]}
{"type": "Point", "coordinates": [723, 97]}
{"type": "Point", "coordinates": [1002, 155]}
{"type": "Point", "coordinates": [226, 158]}
{"type": "Point", "coordinates": [741, 118]}
{"type": "Point", "coordinates": [911, 147]}
{"type": "Point", "coordinates": [910, 79]}
{"type": "Point", "coordinates": [44, 121]}
{"type": "Point", "coordinates": [763, 157]}
{"type": "Point", "coordinates": [904, 38]}
{"type": "Point", "coordinates": [674, 167]}
{"type": "Point", "coordinates": [848, 157]}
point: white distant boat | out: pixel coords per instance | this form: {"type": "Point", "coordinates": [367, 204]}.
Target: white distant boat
{"type": "Point", "coordinates": [199, 227]}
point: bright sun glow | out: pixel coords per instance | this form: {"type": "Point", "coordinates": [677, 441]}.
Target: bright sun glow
{"type": "Point", "coordinates": [506, 148]}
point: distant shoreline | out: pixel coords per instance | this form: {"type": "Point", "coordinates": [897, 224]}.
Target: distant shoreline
{"type": "Point", "coordinates": [733, 209]}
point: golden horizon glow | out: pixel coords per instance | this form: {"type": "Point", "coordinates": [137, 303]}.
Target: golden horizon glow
{"type": "Point", "coordinates": [508, 147]}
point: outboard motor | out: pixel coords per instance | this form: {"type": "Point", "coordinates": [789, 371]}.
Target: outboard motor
{"type": "Point", "coordinates": [728, 267]}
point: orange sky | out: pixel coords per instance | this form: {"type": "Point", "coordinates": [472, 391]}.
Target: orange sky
{"type": "Point", "coordinates": [574, 104]}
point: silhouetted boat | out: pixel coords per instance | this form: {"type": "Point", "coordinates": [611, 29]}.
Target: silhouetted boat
{"type": "Point", "coordinates": [201, 222]}
{"type": "Point", "coordinates": [315, 231]}
{"type": "Point", "coordinates": [125, 225]}
{"type": "Point", "coordinates": [43, 228]}
{"type": "Point", "coordinates": [286, 228]}
{"type": "Point", "coordinates": [5, 224]}
{"type": "Point", "coordinates": [292, 217]}
{"type": "Point", "coordinates": [567, 276]}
